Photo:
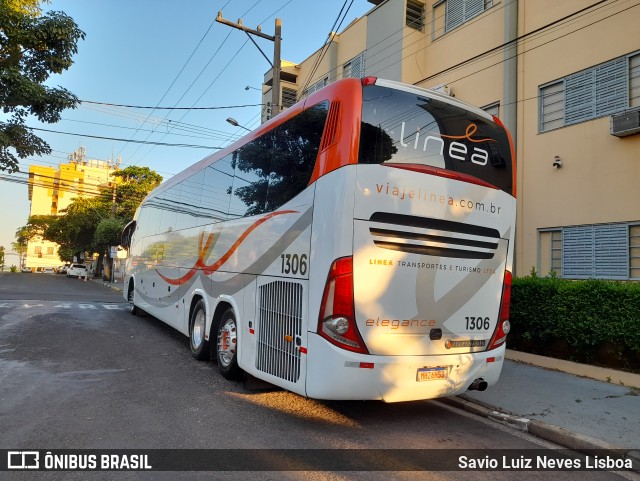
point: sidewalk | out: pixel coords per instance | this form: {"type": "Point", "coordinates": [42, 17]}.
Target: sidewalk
{"type": "Point", "coordinates": [573, 411]}
{"type": "Point", "coordinates": [114, 286]}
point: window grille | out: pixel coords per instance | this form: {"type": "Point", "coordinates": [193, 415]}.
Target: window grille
{"type": "Point", "coordinates": [595, 92]}
{"type": "Point", "coordinates": [415, 15]}
{"type": "Point", "coordinates": [354, 67]}
{"type": "Point", "coordinates": [289, 97]}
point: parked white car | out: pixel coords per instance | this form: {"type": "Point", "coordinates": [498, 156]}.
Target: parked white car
{"type": "Point", "coordinates": [77, 270]}
{"type": "Point", "coordinates": [48, 270]}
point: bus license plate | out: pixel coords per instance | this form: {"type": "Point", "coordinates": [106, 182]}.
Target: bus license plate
{"type": "Point", "coordinates": [432, 373]}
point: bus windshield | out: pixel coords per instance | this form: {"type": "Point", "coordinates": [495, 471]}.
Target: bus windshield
{"type": "Point", "coordinates": [402, 127]}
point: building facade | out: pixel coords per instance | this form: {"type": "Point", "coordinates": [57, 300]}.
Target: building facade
{"type": "Point", "coordinates": [564, 77]}
{"type": "Point", "coordinates": [51, 191]}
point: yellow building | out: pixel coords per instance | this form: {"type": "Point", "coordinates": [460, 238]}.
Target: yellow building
{"type": "Point", "coordinates": [52, 190]}
{"type": "Point", "coordinates": [563, 76]}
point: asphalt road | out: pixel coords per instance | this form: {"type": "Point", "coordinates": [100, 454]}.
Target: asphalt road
{"type": "Point", "coordinates": [78, 371]}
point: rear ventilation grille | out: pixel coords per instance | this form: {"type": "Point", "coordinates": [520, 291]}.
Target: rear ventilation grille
{"type": "Point", "coordinates": [433, 237]}
{"type": "Point", "coordinates": [279, 329]}
{"type": "Point", "coordinates": [331, 127]}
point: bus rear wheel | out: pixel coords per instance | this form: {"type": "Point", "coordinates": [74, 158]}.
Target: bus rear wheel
{"type": "Point", "coordinates": [227, 346]}
{"type": "Point", "coordinates": [199, 345]}
{"type": "Point", "coordinates": [131, 298]}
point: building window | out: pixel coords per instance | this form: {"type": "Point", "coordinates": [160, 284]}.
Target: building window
{"type": "Point", "coordinates": [450, 14]}
{"type": "Point", "coordinates": [492, 109]}
{"type": "Point", "coordinates": [316, 86]}
{"type": "Point", "coordinates": [592, 93]}
{"type": "Point", "coordinates": [354, 67]}
{"type": "Point", "coordinates": [603, 251]}
{"type": "Point", "coordinates": [552, 106]}
{"type": "Point", "coordinates": [415, 15]}
{"type": "Point", "coordinates": [634, 81]}
{"type": "Point", "coordinates": [634, 251]}
{"type": "Point", "coordinates": [49, 251]}
{"type": "Point", "coordinates": [289, 97]}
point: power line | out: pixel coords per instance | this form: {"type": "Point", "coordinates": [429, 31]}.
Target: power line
{"type": "Point", "coordinates": [171, 108]}
{"type": "Point", "coordinates": [129, 140]}
{"type": "Point", "coordinates": [325, 48]}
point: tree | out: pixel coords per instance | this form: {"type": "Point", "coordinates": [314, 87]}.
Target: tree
{"type": "Point", "coordinates": [32, 47]}
{"type": "Point", "coordinates": [133, 186]}
{"type": "Point", "coordinates": [75, 231]}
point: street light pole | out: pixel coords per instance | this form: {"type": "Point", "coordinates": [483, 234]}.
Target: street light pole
{"type": "Point", "coordinates": [235, 123]}
{"type": "Point", "coordinates": [275, 65]}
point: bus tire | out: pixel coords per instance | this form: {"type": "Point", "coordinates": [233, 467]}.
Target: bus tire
{"type": "Point", "coordinates": [227, 346]}
{"type": "Point", "coordinates": [197, 329]}
{"type": "Point", "coordinates": [131, 297]}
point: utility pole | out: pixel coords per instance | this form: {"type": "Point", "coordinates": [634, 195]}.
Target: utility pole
{"type": "Point", "coordinates": [275, 65]}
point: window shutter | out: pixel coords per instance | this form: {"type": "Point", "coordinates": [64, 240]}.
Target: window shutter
{"type": "Point", "coordinates": [552, 106]}
{"type": "Point", "coordinates": [357, 66]}
{"type": "Point", "coordinates": [579, 97]}
{"type": "Point", "coordinates": [454, 14]}
{"type": "Point", "coordinates": [354, 68]}
{"type": "Point", "coordinates": [611, 251]}
{"type": "Point", "coordinates": [596, 251]}
{"type": "Point", "coordinates": [611, 87]}
{"type": "Point", "coordinates": [634, 81]}
{"type": "Point", "coordinates": [577, 251]}
{"type": "Point", "coordinates": [473, 8]}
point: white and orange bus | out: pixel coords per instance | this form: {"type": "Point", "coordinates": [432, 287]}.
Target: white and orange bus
{"type": "Point", "coordinates": [358, 245]}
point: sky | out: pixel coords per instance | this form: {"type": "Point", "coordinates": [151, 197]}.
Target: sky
{"type": "Point", "coordinates": [162, 53]}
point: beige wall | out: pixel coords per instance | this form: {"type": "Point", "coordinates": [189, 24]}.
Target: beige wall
{"type": "Point", "coordinates": [598, 180]}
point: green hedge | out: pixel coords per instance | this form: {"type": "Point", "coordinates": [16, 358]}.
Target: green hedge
{"type": "Point", "coordinates": [592, 321]}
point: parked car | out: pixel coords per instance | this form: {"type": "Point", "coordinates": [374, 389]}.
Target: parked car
{"type": "Point", "coordinates": [48, 270]}
{"type": "Point", "coordinates": [26, 269]}
{"type": "Point", "coordinates": [63, 269]}
{"type": "Point", "coordinates": [77, 270]}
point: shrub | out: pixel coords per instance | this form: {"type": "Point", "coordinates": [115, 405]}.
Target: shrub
{"type": "Point", "coordinates": [591, 321]}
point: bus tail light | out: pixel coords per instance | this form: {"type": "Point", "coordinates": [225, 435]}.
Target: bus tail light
{"type": "Point", "coordinates": [504, 326]}
{"type": "Point", "coordinates": [337, 321]}
{"type": "Point", "coordinates": [369, 81]}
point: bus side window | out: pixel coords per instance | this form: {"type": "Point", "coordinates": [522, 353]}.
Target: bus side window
{"type": "Point", "coordinates": [296, 145]}
{"type": "Point", "coordinates": [169, 203]}
{"type": "Point", "coordinates": [216, 191]}
{"type": "Point", "coordinates": [252, 164]}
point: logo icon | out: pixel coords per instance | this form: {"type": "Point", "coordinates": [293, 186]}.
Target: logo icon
{"type": "Point", "coordinates": [23, 460]}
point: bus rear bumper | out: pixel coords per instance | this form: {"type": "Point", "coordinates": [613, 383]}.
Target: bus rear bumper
{"type": "Point", "coordinates": [337, 374]}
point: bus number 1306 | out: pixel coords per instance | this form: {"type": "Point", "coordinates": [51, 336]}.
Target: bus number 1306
{"type": "Point", "coordinates": [294, 264]}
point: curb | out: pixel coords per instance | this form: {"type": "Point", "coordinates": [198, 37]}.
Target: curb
{"type": "Point", "coordinates": [114, 288]}
{"type": "Point", "coordinates": [549, 432]}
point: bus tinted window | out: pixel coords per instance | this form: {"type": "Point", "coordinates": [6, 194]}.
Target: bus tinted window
{"type": "Point", "coordinates": [402, 127]}
{"type": "Point", "coordinates": [274, 168]}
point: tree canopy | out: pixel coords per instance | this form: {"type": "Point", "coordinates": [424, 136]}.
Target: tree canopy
{"type": "Point", "coordinates": [32, 47]}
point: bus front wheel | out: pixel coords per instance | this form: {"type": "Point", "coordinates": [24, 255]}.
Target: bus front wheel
{"type": "Point", "coordinates": [227, 346]}
{"type": "Point", "coordinates": [199, 345]}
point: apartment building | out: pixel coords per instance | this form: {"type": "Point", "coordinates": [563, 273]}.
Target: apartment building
{"type": "Point", "coordinates": [564, 77]}
{"type": "Point", "coordinates": [51, 191]}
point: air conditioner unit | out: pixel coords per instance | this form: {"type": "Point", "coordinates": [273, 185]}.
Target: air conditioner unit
{"type": "Point", "coordinates": [626, 123]}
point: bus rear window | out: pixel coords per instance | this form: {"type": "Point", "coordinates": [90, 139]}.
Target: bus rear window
{"type": "Point", "coordinates": [402, 127]}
